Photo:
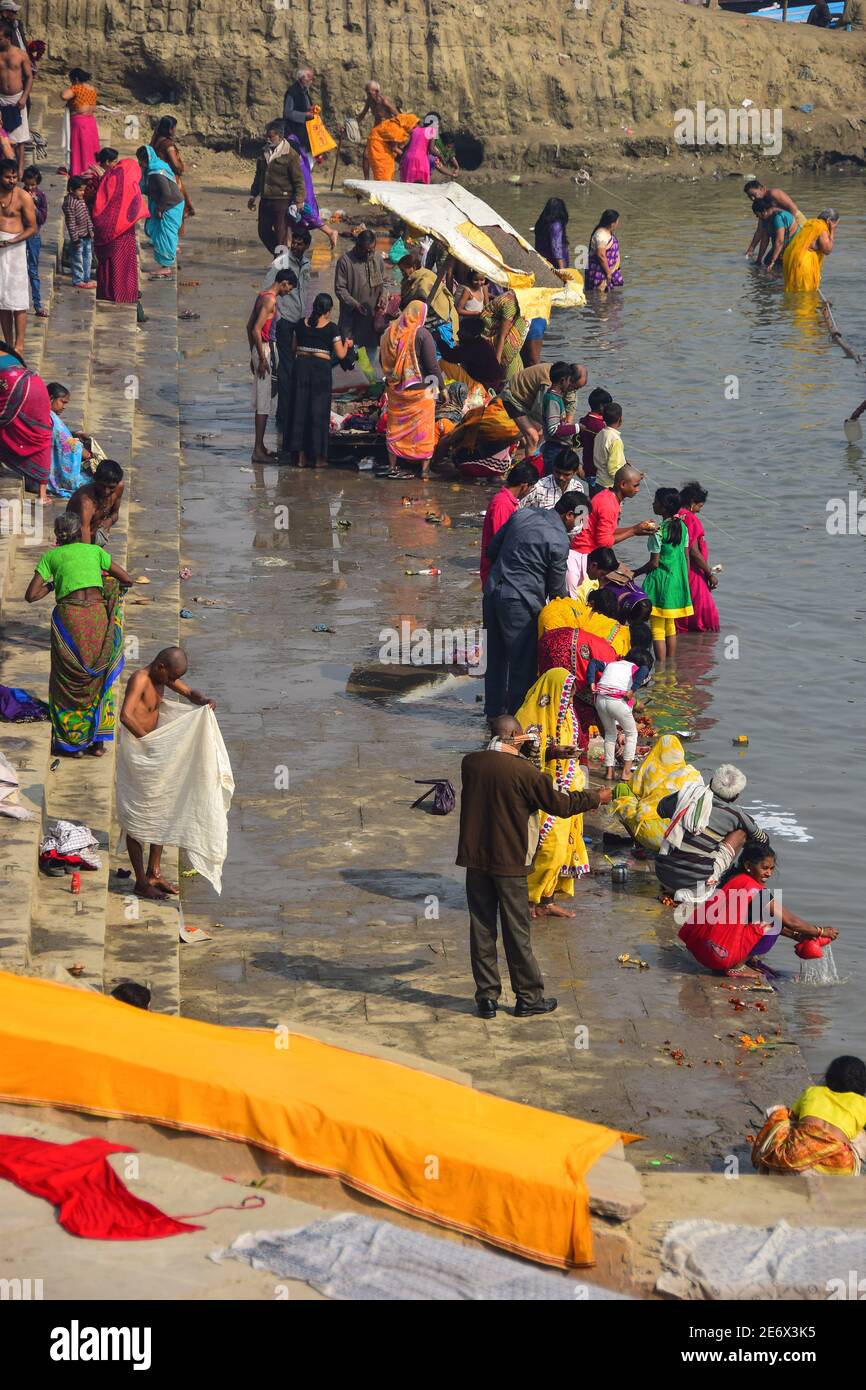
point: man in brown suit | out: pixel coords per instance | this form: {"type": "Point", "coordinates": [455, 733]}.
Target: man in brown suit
{"type": "Point", "coordinates": [498, 838]}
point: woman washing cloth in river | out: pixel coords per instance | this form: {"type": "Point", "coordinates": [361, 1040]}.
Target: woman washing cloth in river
{"type": "Point", "coordinates": [742, 920]}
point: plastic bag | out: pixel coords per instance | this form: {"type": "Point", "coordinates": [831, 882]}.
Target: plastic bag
{"type": "Point", "coordinates": [318, 136]}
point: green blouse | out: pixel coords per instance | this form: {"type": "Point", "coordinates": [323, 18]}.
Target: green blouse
{"type": "Point", "coordinates": [73, 566]}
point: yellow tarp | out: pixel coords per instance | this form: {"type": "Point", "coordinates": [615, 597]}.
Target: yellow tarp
{"type": "Point", "coordinates": [510, 1174]}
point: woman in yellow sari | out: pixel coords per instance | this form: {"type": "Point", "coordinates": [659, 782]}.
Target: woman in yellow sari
{"type": "Point", "coordinates": [806, 250]}
{"type": "Point", "coordinates": [663, 770]}
{"type": "Point", "coordinates": [561, 856]}
{"type": "Point", "coordinates": [407, 356]}
{"type": "Point", "coordinates": [576, 612]}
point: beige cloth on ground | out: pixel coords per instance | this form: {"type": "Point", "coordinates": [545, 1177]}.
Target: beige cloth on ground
{"type": "Point", "coordinates": [175, 785]}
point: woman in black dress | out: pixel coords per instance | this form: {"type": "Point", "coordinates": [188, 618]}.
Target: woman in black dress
{"type": "Point", "coordinates": [316, 339]}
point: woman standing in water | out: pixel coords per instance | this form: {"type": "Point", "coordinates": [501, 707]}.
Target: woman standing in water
{"type": "Point", "coordinates": [701, 578]}
{"type": "Point", "coordinates": [806, 250]}
{"type": "Point", "coordinates": [667, 573]}
{"type": "Point", "coordinates": [604, 271]}
{"type": "Point", "coordinates": [551, 236]}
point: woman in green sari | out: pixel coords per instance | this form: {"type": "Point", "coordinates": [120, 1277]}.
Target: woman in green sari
{"type": "Point", "coordinates": [86, 638]}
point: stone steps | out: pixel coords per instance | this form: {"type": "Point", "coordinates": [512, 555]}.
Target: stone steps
{"type": "Point", "coordinates": [123, 387]}
{"type": "Point", "coordinates": [69, 931]}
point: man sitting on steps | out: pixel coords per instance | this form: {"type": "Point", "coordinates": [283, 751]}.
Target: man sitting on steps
{"type": "Point", "coordinates": [98, 503]}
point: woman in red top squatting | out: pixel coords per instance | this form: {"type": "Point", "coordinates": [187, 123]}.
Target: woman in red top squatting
{"type": "Point", "coordinates": [741, 920]}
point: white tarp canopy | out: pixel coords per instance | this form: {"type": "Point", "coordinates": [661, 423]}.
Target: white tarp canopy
{"type": "Point", "coordinates": [443, 210]}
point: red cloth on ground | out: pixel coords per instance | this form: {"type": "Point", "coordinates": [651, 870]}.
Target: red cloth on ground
{"type": "Point", "coordinates": [78, 1179]}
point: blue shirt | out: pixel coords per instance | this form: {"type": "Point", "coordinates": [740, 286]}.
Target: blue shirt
{"type": "Point", "coordinates": [530, 558]}
{"type": "Point", "coordinates": [779, 219]}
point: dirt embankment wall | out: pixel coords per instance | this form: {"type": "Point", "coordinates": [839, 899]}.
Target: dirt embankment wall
{"type": "Point", "coordinates": [592, 83]}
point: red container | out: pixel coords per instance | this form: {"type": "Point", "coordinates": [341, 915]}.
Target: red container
{"type": "Point", "coordinates": [810, 949]}
{"type": "Point", "coordinates": [75, 884]}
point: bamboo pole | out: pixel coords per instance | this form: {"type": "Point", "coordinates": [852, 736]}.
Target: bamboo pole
{"type": "Point", "coordinates": [336, 160]}
{"type": "Point", "coordinates": [833, 330]}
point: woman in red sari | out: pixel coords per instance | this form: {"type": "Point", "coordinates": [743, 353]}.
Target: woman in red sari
{"type": "Point", "coordinates": [117, 206]}
{"type": "Point", "coordinates": [701, 578]}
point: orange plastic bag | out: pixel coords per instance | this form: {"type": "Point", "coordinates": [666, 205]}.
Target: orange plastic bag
{"type": "Point", "coordinates": [318, 136]}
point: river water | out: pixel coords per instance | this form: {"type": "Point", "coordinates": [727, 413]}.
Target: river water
{"type": "Point", "coordinates": [785, 669]}
{"type": "Point", "coordinates": [693, 314]}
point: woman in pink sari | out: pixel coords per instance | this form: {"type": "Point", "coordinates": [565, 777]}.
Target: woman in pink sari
{"type": "Point", "coordinates": [701, 578]}
{"type": "Point", "coordinates": [80, 100]}
{"type": "Point", "coordinates": [117, 206]}
{"type": "Point", "coordinates": [424, 152]}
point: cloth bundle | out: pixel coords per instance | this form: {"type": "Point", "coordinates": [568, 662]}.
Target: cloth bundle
{"type": "Point", "coordinates": [694, 806]}
{"type": "Point", "coordinates": [175, 785]}
{"type": "Point", "coordinates": [70, 843]}
{"type": "Point", "coordinates": [9, 791]}
{"type": "Point", "coordinates": [19, 706]}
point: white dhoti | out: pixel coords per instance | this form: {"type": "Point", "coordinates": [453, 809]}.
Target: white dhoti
{"type": "Point", "coordinates": [14, 280]}
{"type": "Point", "coordinates": [264, 394]}
{"type": "Point", "coordinates": [175, 785]}
{"type": "Point", "coordinates": [21, 134]}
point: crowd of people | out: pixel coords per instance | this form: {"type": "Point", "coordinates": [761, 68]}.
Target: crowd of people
{"type": "Point", "coordinates": [106, 196]}
{"type": "Point", "coordinates": [459, 382]}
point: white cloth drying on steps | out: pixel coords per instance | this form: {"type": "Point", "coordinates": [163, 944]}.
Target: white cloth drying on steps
{"type": "Point", "coordinates": [175, 785]}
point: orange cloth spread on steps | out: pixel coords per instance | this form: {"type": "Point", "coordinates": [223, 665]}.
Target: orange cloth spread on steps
{"type": "Point", "coordinates": [510, 1174]}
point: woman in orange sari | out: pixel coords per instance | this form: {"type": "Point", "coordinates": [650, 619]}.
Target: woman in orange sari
{"type": "Point", "coordinates": [385, 141]}
{"type": "Point", "coordinates": [407, 355]}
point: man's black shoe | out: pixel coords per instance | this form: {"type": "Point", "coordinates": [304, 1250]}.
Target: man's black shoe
{"type": "Point", "coordinates": [486, 1008]}
{"type": "Point", "coordinates": [544, 1006]}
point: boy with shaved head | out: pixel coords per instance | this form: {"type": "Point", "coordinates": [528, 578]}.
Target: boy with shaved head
{"type": "Point", "coordinates": [140, 714]}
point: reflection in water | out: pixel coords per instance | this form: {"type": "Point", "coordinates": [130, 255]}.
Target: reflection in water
{"type": "Point", "coordinates": [681, 693]}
